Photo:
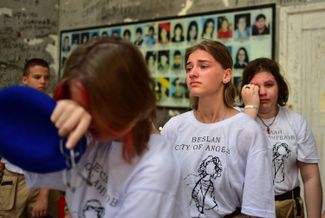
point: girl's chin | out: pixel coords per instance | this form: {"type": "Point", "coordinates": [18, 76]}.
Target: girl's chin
{"type": "Point", "coordinates": [264, 106]}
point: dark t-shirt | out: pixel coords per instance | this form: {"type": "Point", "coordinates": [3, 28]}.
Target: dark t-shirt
{"type": "Point", "coordinates": [256, 32]}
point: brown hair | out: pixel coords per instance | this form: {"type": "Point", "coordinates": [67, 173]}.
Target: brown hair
{"type": "Point", "coordinates": [118, 86]}
{"type": "Point", "coordinates": [265, 64]}
{"type": "Point", "coordinates": [221, 54]}
{"type": "Point", "coordinates": [34, 62]}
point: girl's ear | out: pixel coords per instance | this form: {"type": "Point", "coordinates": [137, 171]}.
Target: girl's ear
{"type": "Point", "coordinates": [227, 76]}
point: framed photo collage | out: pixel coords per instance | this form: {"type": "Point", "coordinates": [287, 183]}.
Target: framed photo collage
{"type": "Point", "coordinates": [247, 32]}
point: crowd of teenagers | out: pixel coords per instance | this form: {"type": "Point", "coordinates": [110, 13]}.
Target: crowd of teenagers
{"type": "Point", "coordinates": [216, 160]}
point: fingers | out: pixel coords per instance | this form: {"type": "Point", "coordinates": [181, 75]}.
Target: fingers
{"type": "Point", "coordinates": [71, 119]}
{"type": "Point", "coordinates": [250, 94]}
{"type": "Point", "coordinates": [64, 116]}
{"type": "Point", "coordinates": [250, 88]}
{"type": "Point", "coordinates": [247, 86]}
{"type": "Point", "coordinates": [79, 131]}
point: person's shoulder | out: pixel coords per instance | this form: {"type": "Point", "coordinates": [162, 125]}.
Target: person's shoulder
{"type": "Point", "coordinates": [157, 140]}
{"type": "Point", "coordinates": [180, 117]}
{"type": "Point", "coordinates": [292, 116]}
{"type": "Point", "coordinates": [240, 116]}
{"type": "Point", "coordinates": [290, 113]}
{"type": "Point", "coordinates": [177, 125]}
{"type": "Point", "coordinates": [267, 29]}
{"type": "Point", "coordinates": [159, 145]}
{"type": "Point", "coordinates": [245, 122]}
{"type": "Point", "coordinates": [159, 160]}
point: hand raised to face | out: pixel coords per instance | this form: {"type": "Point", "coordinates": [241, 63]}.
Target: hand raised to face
{"type": "Point", "coordinates": [72, 120]}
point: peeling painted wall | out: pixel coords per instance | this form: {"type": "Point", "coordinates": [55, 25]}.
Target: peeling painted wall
{"type": "Point", "coordinates": [28, 29]}
{"type": "Point", "coordinates": [85, 13]}
{"type": "Point", "coordinates": [75, 13]}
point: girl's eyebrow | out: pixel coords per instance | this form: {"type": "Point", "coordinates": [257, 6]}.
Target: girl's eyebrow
{"type": "Point", "coordinates": [204, 60]}
{"type": "Point", "coordinates": [200, 61]}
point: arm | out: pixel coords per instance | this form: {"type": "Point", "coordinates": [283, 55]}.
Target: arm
{"type": "Point", "coordinates": [71, 119]}
{"type": "Point", "coordinates": [258, 193]}
{"type": "Point", "coordinates": [251, 99]}
{"type": "Point", "coordinates": [312, 188]}
{"type": "Point", "coordinates": [40, 208]}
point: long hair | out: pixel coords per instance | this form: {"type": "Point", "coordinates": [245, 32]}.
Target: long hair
{"type": "Point", "coordinates": [118, 89]}
{"type": "Point", "coordinates": [265, 64]}
{"type": "Point", "coordinates": [210, 20]}
{"type": "Point", "coordinates": [221, 54]}
{"type": "Point", "coordinates": [194, 24]}
{"type": "Point", "coordinates": [246, 55]}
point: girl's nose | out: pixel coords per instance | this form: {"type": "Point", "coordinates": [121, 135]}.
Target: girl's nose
{"type": "Point", "coordinates": [193, 73]}
{"type": "Point", "coordinates": [262, 90]}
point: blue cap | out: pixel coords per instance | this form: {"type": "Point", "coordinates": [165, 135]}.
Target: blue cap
{"type": "Point", "coordinates": [28, 138]}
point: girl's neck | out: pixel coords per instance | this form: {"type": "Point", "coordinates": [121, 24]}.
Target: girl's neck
{"type": "Point", "coordinates": [210, 111]}
{"type": "Point", "coordinates": [269, 114]}
{"type": "Point", "coordinates": [212, 116]}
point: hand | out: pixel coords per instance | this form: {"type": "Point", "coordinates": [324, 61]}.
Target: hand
{"type": "Point", "coordinates": [40, 206]}
{"type": "Point", "coordinates": [250, 95]}
{"type": "Point", "coordinates": [71, 119]}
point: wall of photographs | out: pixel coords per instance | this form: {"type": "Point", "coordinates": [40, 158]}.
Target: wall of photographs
{"type": "Point", "coordinates": [247, 32]}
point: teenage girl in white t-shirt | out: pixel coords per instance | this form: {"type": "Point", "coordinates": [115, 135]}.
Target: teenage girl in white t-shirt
{"type": "Point", "coordinates": [265, 93]}
{"type": "Point", "coordinates": [128, 169]}
{"type": "Point", "coordinates": [224, 155]}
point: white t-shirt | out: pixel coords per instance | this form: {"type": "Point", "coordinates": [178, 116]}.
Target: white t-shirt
{"type": "Point", "coordinates": [291, 140]}
{"type": "Point", "coordinates": [11, 167]}
{"type": "Point", "coordinates": [225, 165]}
{"type": "Point", "coordinates": [149, 187]}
